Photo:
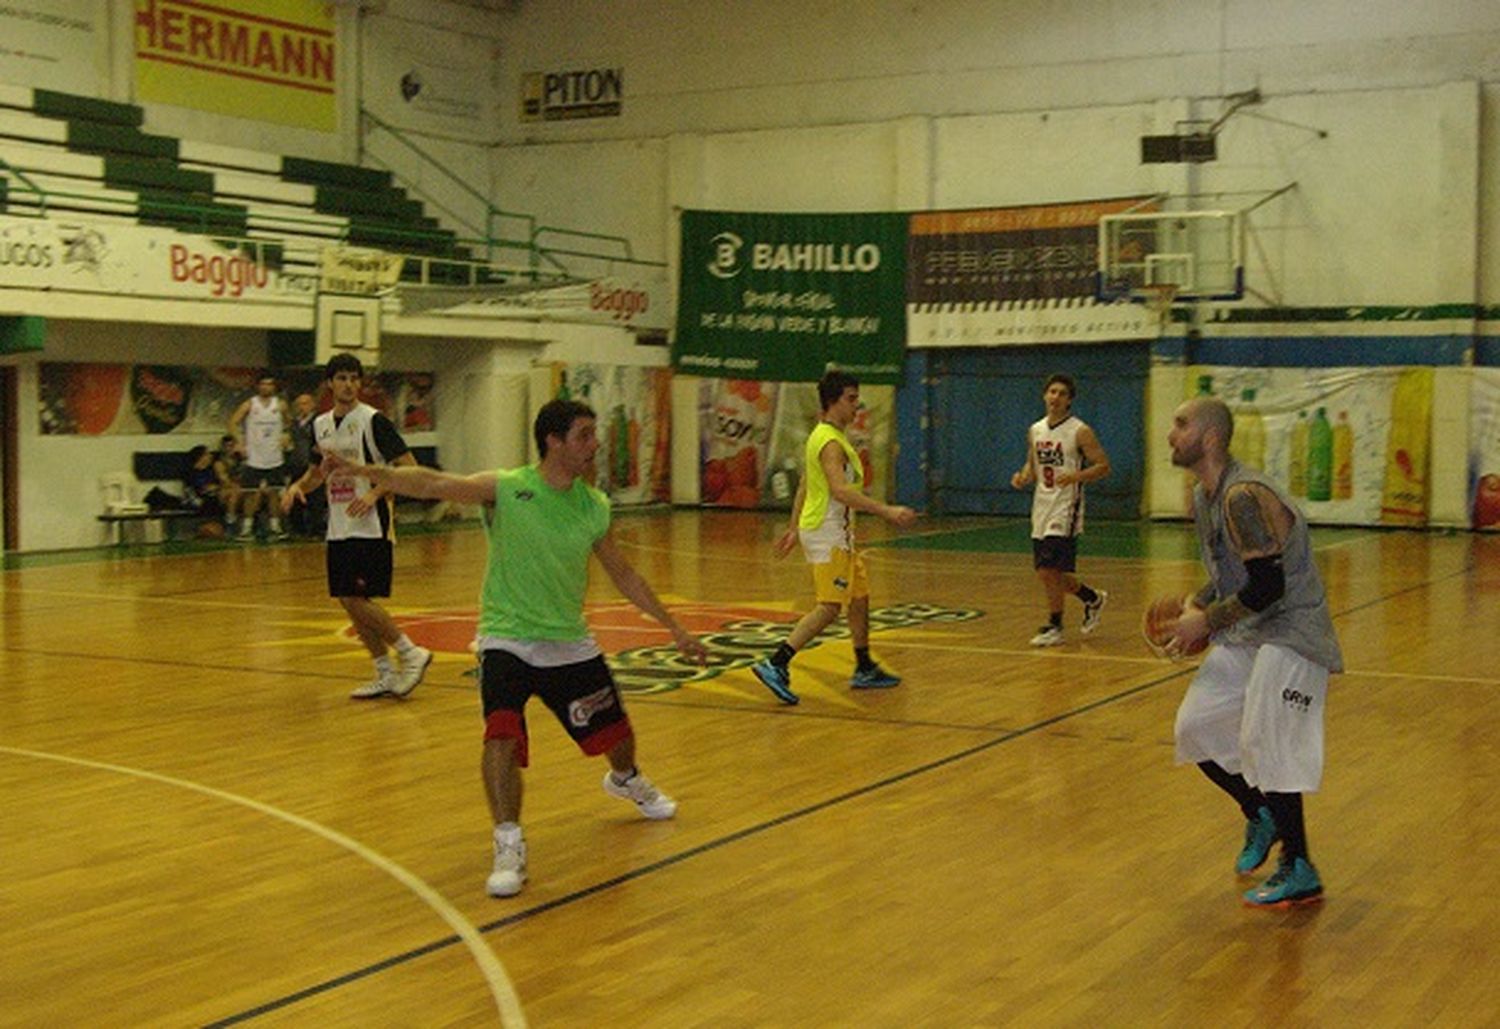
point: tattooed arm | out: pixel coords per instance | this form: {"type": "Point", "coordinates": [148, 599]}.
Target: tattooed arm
{"type": "Point", "coordinates": [1258, 525]}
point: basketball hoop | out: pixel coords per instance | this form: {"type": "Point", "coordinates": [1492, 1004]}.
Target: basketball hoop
{"type": "Point", "coordinates": [1159, 297]}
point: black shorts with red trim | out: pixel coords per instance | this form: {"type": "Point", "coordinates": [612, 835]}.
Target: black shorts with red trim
{"type": "Point", "coordinates": [359, 567]}
{"type": "Point", "coordinates": [582, 696]}
{"type": "Point", "coordinates": [1059, 552]}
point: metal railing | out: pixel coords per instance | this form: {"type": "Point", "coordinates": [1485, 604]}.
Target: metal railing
{"type": "Point", "coordinates": [534, 241]}
{"type": "Point", "coordinates": [493, 216]}
{"type": "Point", "coordinates": [6, 166]}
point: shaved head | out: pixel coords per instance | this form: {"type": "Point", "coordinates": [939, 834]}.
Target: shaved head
{"type": "Point", "coordinates": [1213, 416]}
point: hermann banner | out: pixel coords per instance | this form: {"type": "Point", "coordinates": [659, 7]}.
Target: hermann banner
{"type": "Point", "coordinates": [782, 297]}
{"type": "Point", "coordinates": [266, 60]}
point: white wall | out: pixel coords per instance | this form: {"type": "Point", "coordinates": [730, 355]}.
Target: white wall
{"type": "Point", "coordinates": [437, 138]}
{"type": "Point", "coordinates": [722, 65]}
{"type": "Point", "coordinates": [609, 188]}
{"type": "Point", "coordinates": [789, 106]}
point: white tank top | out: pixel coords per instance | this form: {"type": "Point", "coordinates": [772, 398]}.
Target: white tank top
{"type": "Point", "coordinates": [353, 439]}
{"type": "Point", "coordinates": [1056, 510]}
{"type": "Point", "coordinates": [262, 428]}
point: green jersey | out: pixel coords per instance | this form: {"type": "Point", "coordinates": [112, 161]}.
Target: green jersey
{"type": "Point", "coordinates": [540, 539]}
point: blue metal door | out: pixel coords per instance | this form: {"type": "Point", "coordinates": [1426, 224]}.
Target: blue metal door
{"type": "Point", "coordinates": [978, 404]}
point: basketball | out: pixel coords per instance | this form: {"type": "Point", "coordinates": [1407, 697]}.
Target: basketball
{"type": "Point", "coordinates": [1158, 624]}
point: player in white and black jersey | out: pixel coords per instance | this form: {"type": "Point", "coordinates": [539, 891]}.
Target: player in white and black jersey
{"type": "Point", "coordinates": [1062, 453]}
{"type": "Point", "coordinates": [361, 526]}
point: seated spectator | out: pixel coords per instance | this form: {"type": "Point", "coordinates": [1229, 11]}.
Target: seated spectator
{"type": "Point", "coordinates": [227, 468]}
{"type": "Point", "coordinates": [201, 485]}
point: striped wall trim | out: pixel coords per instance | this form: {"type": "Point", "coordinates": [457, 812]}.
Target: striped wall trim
{"type": "Point", "coordinates": [1487, 352]}
{"type": "Point", "coordinates": [1328, 351]}
{"type": "Point", "coordinates": [1353, 313]}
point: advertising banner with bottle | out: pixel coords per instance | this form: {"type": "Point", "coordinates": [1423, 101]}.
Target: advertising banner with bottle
{"type": "Point", "coordinates": [1484, 449]}
{"type": "Point", "coordinates": [785, 296]}
{"type": "Point", "coordinates": [1351, 445]}
{"type": "Point", "coordinates": [752, 436]}
{"type": "Point", "coordinates": [634, 405]}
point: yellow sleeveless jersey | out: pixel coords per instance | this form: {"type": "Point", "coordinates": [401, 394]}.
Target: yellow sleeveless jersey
{"type": "Point", "coordinates": [822, 515]}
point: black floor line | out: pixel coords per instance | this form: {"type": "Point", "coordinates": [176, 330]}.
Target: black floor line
{"type": "Point", "coordinates": [667, 862]}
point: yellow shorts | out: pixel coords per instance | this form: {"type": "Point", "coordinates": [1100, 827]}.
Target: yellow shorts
{"type": "Point", "coordinates": [841, 578]}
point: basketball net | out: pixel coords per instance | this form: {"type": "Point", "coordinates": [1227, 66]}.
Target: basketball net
{"type": "Point", "coordinates": [1159, 297]}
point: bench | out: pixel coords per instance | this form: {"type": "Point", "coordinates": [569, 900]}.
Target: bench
{"type": "Point", "coordinates": [116, 521]}
{"type": "Point", "coordinates": [150, 466]}
{"type": "Point", "coordinates": [171, 466]}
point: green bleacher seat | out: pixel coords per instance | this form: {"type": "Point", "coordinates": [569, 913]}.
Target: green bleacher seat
{"type": "Point", "coordinates": [98, 138]}
{"type": "Point", "coordinates": [125, 172]}
{"type": "Point", "coordinates": [388, 205]}
{"type": "Point", "coordinates": [301, 169]}
{"type": "Point", "coordinates": [91, 157]}
{"type": "Point", "coordinates": [68, 107]}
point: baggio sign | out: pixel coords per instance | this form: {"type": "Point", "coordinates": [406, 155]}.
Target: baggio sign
{"type": "Point", "coordinates": [572, 93]}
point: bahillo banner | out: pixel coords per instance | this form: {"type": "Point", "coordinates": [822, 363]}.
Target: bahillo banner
{"type": "Point", "coordinates": [784, 297]}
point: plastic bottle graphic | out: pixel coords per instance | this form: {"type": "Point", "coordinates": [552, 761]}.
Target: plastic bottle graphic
{"type": "Point", "coordinates": [1320, 457]}
{"type": "Point", "coordinates": [1297, 457]}
{"type": "Point", "coordinates": [1343, 458]}
{"type": "Point", "coordinates": [1403, 499]}
{"type": "Point", "coordinates": [1249, 447]}
{"type": "Point", "coordinates": [619, 448]}
{"type": "Point", "coordinates": [784, 481]}
{"type": "Point", "coordinates": [661, 452]}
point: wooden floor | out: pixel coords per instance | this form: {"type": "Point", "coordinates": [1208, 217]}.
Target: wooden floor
{"type": "Point", "coordinates": [198, 827]}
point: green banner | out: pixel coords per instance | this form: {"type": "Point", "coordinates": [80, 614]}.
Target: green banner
{"type": "Point", "coordinates": [781, 297]}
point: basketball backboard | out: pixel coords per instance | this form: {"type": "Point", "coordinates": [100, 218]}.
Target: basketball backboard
{"type": "Point", "coordinates": [1201, 253]}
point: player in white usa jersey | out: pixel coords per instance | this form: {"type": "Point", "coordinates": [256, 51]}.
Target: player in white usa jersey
{"type": "Point", "coordinates": [1062, 453]}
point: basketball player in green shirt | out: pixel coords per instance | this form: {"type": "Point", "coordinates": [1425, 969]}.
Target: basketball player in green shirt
{"type": "Point", "coordinates": [544, 521]}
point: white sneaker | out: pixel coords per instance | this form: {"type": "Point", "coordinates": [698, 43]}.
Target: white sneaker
{"type": "Point", "coordinates": [649, 800]}
{"type": "Point", "coordinates": [377, 687]}
{"type": "Point", "coordinates": [413, 667]}
{"type": "Point", "coordinates": [510, 869]}
{"type": "Point", "coordinates": [1047, 636]}
{"type": "Point", "coordinates": [1091, 612]}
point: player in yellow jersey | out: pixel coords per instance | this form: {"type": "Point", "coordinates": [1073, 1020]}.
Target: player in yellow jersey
{"type": "Point", "coordinates": [823, 521]}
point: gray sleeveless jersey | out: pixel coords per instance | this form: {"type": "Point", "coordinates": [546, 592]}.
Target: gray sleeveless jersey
{"type": "Point", "coordinates": [1300, 619]}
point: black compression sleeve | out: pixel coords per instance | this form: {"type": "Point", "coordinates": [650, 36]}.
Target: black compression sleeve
{"type": "Point", "coordinates": [1267, 582]}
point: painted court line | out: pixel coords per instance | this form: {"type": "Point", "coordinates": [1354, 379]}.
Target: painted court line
{"type": "Point", "coordinates": [507, 1003]}
{"type": "Point", "coordinates": [1005, 736]}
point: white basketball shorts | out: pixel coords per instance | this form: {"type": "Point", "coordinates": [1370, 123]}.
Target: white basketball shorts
{"type": "Point", "coordinates": [1258, 711]}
